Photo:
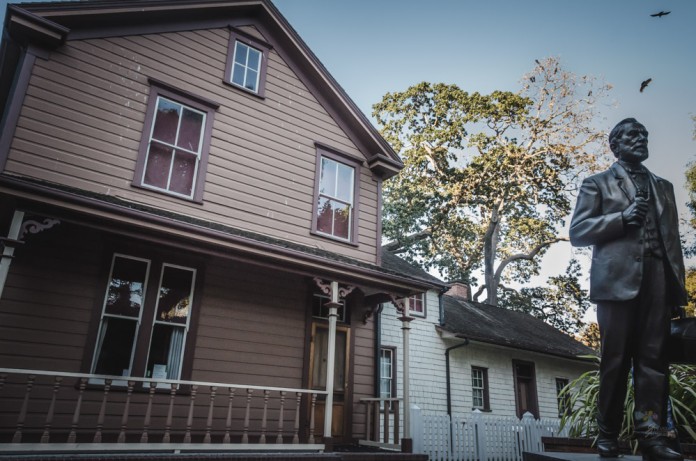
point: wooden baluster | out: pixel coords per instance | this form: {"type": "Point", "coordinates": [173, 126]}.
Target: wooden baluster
{"type": "Point", "coordinates": [17, 438]}
{"type": "Point", "coordinates": [189, 419]}
{"type": "Point", "coordinates": [311, 418]}
{"type": "Point", "coordinates": [168, 424]}
{"type": "Point", "coordinates": [245, 434]}
{"type": "Point", "coordinates": [262, 439]}
{"type": "Point", "coordinates": [279, 438]}
{"type": "Point", "coordinates": [209, 422]}
{"type": "Point", "coordinates": [296, 430]}
{"type": "Point", "coordinates": [228, 421]}
{"type": "Point", "coordinates": [102, 412]}
{"type": "Point", "coordinates": [148, 412]}
{"type": "Point", "coordinates": [368, 417]}
{"type": "Point", "coordinates": [76, 414]}
{"type": "Point", "coordinates": [387, 409]}
{"type": "Point", "coordinates": [51, 409]}
{"type": "Point", "coordinates": [124, 418]}
{"type": "Point", "coordinates": [375, 417]}
{"type": "Point", "coordinates": [396, 422]}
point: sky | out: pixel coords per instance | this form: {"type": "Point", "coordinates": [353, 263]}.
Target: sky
{"type": "Point", "coordinates": [372, 47]}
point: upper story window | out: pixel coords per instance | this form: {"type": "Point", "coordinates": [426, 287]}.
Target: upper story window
{"type": "Point", "coordinates": [139, 334]}
{"type": "Point", "coordinates": [247, 62]}
{"type": "Point", "coordinates": [336, 197]}
{"type": "Point", "coordinates": [173, 154]}
{"type": "Point", "coordinates": [417, 304]}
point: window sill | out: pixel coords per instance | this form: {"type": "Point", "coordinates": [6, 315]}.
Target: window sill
{"type": "Point", "coordinates": [334, 239]}
{"type": "Point", "coordinates": [245, 90]}
{"type": "Point", "coordinates": [167, 194]}
{"type": "Point", "coordinates": [482, 410]}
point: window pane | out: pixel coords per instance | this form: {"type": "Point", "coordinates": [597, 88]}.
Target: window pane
{"type": "Point", "coordinates": [115, 346]}
{"type": "Point", "coordinates": [254, 60]}
{"type": "Point", "coordinates": [251, 78]}
{"type": "Point", "coordinates": [341, 220]}
{"type": "Point", "coordinates": [125, 293]}
{"type": "Point", "coordinates": [240, 53]}
{"type": "Point", "coordinates": [159, 160]}
{"type": "Point", "coordinates": [190, 131]}
{"type": "Point", "coordinates": [238, 75]}
{"type": "Point", "coordinates": [183, 172]}
{"type": "Point", "coordinates": [324, 216]}
{"type": "Point", "coordinates": [344, 190]}
{"type": "Point", "coordinates": [166, 352]}
{"type": "Point", "coordinates": [327, 178]}
{"type": "Point", "coordinates": [166, 121]}
{"type": "Point", "coordinates": [174, 304]}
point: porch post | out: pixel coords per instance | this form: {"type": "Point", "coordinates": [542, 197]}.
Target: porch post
{"type": "Point", "coordinates": [406, 328]}
{"type": "Point", "coordinates": [9, 247]}
{"type": "Point", "coordinates": [331, 359]}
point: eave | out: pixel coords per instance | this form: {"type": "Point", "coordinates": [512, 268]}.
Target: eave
{"type": "Point", "coordinates": [118, 217]}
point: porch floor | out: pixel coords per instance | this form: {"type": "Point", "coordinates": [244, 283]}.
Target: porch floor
{"type": "Point", "coordinates": [340, 453]}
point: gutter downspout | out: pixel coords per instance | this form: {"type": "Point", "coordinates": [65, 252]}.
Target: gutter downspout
{"type": "Point", "coordinates": [447, 372]}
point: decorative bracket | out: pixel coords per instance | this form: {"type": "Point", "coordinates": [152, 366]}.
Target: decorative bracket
{"type": "Point", "coordinates": [31, 226]}
{"type": "Point", "coordinates": [326, 288]}
{"type": "Point", "coordinates": [399, 303]}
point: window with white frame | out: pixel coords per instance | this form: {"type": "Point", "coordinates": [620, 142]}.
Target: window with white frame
{"type": "Point", "coordinates": [479, 388]}
{"type": "Point", "coordinates": [247, 62]}
{"type": "Point", "coordinates": [335, 200]}
{"type": "Point", "coordinates": [174, 149]}
{"type": "Point", "coordinates": [417, 304]}
{"type": "Point", "coordinates": [128, 308]}
{"type": "Point", "coordinates": [387, 372]}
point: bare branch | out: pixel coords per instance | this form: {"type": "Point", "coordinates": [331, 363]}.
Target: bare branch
{"type": "Point", "coordinates": [401, 245]}
{"type": "Point", "coordinates": [527, 256]}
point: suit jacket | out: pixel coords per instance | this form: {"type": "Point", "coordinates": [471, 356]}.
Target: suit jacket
{"type": "Point", "coordinates": [617, 256]}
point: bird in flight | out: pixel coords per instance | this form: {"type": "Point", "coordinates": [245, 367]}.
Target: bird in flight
{"type": "Point", "coordinates": [660, 14]}
{"type": "Point", "coordinates": [644, 84]}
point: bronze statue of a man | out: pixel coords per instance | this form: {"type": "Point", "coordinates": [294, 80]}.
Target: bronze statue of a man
{"type": "Point", "coordinates": [630, 217]}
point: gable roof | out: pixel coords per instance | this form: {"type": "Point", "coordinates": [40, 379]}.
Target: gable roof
{"type": "Point", "coordinates": [49, 24]}
{"type": "Point", "coordinates": [394, 263]}
{"type": "Point", "coordinates": [503, 327]}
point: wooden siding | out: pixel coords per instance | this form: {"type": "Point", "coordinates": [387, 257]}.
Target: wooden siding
{"type": "Point", "coordinates": [83, 117]}
{"type": "Point", "coordinates": [251, 329]}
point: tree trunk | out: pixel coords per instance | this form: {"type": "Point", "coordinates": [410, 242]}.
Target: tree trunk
{"type": "Point", "coordinates": [490, 247]}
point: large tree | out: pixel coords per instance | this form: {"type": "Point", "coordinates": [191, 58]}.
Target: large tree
{"type": "Point", "coordinates": [487, 178]}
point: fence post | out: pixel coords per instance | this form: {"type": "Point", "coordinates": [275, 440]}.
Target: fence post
{"type": "Point", "coordinates": [417, 428]}
{"type": "Point", "coordinates": [532, 437]}
{"type": "Point", "coordinates": [480, 431]}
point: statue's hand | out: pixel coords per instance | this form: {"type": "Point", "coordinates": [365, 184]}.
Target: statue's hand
{"type": "Point", "coordinates": [634, 215]}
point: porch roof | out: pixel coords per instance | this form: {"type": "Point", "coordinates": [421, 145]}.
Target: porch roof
{"type": "Point", "coordinates": [503, 327]}
{"type": "Point", "coordinates": [117, 215]}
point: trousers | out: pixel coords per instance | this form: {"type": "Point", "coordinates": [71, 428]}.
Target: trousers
{"type": "Point", "coordinates": [634, 334]}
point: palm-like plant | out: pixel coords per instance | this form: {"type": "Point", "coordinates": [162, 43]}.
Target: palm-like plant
{"type": "Point", "coordinates": [581, 416]}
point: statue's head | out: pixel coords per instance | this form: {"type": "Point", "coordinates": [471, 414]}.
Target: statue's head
{"type": "Point", "coordinates": [628, 141]}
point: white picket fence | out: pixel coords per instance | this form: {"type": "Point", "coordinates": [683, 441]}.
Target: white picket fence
{"type": "Point", "coordinates": [479, 437]}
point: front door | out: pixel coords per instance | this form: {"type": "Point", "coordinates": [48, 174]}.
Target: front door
{"type": "Point", "coordinates": [525, 388]}
{"type": "Point", "coordinates": [317, 376]}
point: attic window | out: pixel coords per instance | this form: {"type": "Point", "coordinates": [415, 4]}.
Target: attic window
{"type": "Point", "coordinates": [247, 59]}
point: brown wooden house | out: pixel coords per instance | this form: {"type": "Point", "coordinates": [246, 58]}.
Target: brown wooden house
{"type": "Point", "coordinates": [190, 222]}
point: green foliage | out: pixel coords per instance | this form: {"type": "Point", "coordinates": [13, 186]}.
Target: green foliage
{"type": "Point", "coordinates": [562, 303]}
{"type": "Point", "coordinates": [581, 418]}
{"type": "Point", "coordinates": [487, 178]}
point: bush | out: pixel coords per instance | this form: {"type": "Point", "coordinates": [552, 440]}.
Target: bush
{"type": "Point", "coordinates": [582, 393]}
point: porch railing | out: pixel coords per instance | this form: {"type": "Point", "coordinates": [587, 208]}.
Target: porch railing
{"type": "Point", "coordinates": [383, 422]}
{"type": "Point", "coordinates": [58, 411]}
